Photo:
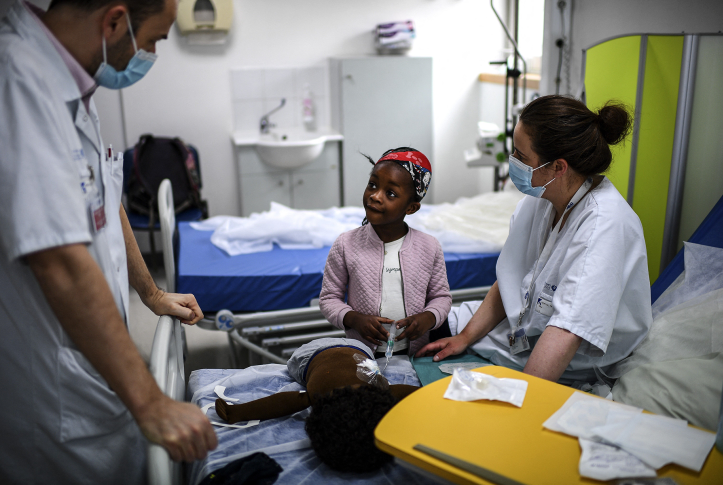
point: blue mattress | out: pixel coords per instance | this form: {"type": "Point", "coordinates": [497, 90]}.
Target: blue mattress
{"type": "Point", "coordinates": [709, 233]}
{"type": "Point", "coordinates": [281, 279]}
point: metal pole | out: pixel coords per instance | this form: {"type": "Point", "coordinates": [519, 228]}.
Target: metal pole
{"type": "Point", "coordinates": [636, 117]}
{"type": "Point", "coordinates": [680, 150]}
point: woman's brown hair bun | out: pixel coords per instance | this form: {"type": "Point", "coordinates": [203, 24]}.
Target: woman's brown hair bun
{"type": "Point", "coordinates": [562, 127]}
{"type": "Point", "coordinates": [615, 122]}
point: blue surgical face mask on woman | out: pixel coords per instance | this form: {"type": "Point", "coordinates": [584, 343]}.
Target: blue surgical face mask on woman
{"type": "Point", "coordinates": [521, 176]}
{"type": "Point", "coordinates": [137, 67]}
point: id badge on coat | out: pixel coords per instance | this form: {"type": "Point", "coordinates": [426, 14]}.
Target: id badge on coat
{"type": "Point", "coordinates": [518, 341]}
{"type": "Point", "coordinates": [97, 213]}
{"type": "Point", "coordinates": [544, 306]}
{"type": "Point", "coordinates": [96, 209]}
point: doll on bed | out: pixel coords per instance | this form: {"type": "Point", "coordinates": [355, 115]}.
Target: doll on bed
{"type": "Point", "coordinates": [345, 407]}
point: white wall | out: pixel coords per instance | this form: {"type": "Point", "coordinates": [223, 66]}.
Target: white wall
{"type": "Point", "coordinates": [595, 20]}
{"type": "Point", "coordinates": [188, 91]}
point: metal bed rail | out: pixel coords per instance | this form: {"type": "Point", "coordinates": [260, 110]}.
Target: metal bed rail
{"type": "Point", "coordinates": [166, 366]}
{"type": "Point", "coordinates": [227, 320]}
{"type": "Point", "coordinates": [288, 327]}
{"type": "Point", "coordinates": [300, 339]}
{"type": "Point", "coordinates": [291, 327]}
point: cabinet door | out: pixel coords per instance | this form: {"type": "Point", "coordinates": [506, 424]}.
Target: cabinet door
{"type": "Point", "coordinates": [258, 191]}
{"type": "Point", "coordinates": [315, 190]}
{"type": "Point", "coordinates": [386, 102]}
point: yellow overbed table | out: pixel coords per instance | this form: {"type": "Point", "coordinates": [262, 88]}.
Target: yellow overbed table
{"type": "Point", "coordinates": [500, 437]}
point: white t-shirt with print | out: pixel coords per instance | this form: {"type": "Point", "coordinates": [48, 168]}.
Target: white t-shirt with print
{"type": "Point", "coordinates": [392, 305]}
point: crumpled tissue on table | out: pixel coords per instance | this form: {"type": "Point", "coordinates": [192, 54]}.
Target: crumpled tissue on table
{"type": "Point", "coordinates": [652, 439]}
{"type": "Point", "coordinates": [467, 385]}
{"type": "Point", "coordinates": [471, 225]}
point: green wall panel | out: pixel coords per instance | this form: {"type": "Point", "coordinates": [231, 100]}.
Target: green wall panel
{"type": "Point", "coordinates": [655, 141]}
{"type": "Point", "coordinates": [611, 72]}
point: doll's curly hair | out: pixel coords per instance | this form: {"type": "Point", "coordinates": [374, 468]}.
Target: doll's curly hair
{"type": "Point", "coordinates": [341, 428]}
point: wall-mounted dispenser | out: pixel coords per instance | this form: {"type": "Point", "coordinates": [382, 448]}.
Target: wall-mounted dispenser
{"type": "Point", "coordinates": [205, 21]}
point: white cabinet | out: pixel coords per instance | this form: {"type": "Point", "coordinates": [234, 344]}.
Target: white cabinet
{"type": "Point", "coordinates": [315, 186]}
{"type": "Point", "coordinates": [258, 190]}
{"type": "Point", "coordinates": [379, 103]}
{"type": "Point", "coordinates": [311, 190]}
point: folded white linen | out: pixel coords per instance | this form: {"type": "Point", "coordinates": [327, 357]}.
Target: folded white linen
{"type": "Point", "coordinates": [470, 225]}
{"type": "Point", "coordinates": [654, 440]}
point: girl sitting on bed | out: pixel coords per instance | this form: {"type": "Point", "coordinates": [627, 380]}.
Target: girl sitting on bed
{"type": "Point", "coordinates": [385, 273]}
{"type": "Point", "coordinates": [347, 403]}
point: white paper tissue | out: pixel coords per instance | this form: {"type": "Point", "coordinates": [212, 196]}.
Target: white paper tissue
{"type": "Point", "coordinates": [467, 385]}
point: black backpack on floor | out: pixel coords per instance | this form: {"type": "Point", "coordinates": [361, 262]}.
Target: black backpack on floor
{"type": "Point", "coordinates": [156, 159]}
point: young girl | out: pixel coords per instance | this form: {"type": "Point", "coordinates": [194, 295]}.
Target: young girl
{"type": "Point", "coordinates": [384, 272]}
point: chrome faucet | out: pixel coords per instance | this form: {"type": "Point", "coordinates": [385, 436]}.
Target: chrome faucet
{"type": "Point", "coordinates": [265, 124]}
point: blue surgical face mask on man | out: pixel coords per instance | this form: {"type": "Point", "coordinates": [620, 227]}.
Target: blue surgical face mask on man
{"type": "Point", "coordinates": [138, 66]}
{"type": "Point", "coordinates": [521, 176]}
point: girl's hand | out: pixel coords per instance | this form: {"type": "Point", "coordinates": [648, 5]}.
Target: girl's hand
{"type": "Point", "coordinates": [416, 325]}
{"type": "Point", "coordinates": [444, 348]}
{"type": "Point", "coordinates": [369, 326]}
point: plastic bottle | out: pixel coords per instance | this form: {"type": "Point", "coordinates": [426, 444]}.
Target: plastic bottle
{"type": "Point", "coordinates": [308, 111]}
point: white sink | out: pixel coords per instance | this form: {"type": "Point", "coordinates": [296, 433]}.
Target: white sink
{"type": "Point", "coordinates": [290, 150]}
{"type": "Point", "coordinates": [287, 149]}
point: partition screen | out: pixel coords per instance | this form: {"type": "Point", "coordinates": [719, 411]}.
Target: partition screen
{"type": "Point", "coordinates": [671, 83]}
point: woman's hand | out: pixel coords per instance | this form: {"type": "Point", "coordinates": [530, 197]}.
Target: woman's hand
{"type": "Point", "coordinates": [369, 326]}
{"type": "Point", "coordinates": [416, 325]}
{"type": "Point", "coordinates": [443, 348]}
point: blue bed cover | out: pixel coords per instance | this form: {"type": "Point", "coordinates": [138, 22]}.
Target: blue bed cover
{"type": "Point", "coordinates": [709, 233]}
{"type": "Point", "coordinates": [281, 279]}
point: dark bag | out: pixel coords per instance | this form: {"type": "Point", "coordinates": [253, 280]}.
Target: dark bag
{"type": "Point", "coordinates": [156, 159]}
{"type": "Point", "coordinates": [256, 469]}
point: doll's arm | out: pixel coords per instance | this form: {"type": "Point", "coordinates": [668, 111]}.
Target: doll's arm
{"type": "Point", "coordinates": [270, 407]}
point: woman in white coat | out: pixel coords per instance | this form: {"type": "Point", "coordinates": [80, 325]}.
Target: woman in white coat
{"type": "Point", "coordinates": [572, 291]}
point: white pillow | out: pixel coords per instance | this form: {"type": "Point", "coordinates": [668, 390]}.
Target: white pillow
{"type": "Point", "coordinates": [689, 389]}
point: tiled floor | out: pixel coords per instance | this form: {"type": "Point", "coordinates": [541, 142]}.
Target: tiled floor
{"type": "Point", "coordinates": [206, 349]}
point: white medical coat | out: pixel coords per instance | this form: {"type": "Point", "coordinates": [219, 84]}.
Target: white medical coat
{"type": "Point", "coordinates": [59, 420]}
{"type": "Point", "coordinates": [595, 283]}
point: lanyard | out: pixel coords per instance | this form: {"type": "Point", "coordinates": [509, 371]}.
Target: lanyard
{"type": "Point", "coordinates": [547, 248]}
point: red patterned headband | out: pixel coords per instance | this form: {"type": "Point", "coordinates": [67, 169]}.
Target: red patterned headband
{"type": "Point", "coordinates": [418, 167]}
{"type": "Point", "coordinates": [417, 158]}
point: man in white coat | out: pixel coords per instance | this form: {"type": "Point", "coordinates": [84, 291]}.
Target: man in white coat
{"type": "Point", "coordinates": [77, 397]}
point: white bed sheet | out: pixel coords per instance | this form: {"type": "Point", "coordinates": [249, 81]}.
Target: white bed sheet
{"type": "Point", "coordinates": [470, 225]}
{"type": "Point", "coordinates": [300, 466]}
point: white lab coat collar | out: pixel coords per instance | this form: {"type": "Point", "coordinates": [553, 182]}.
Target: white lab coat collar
{"type": "Point", "coordinates": [21, 19]}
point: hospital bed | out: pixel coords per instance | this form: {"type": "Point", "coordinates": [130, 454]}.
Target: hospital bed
{"type": "Point", "coordinates": [284, 439]}
{"type": "Point", "coordinates": [268, 301]}
{"type": "Point", "coordinates": [258, 331]}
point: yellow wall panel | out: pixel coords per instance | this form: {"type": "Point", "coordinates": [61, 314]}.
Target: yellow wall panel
{"type": "Point", "coordinates": [611, 72]}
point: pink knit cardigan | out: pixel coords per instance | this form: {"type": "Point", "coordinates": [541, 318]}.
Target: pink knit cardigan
{"type": "Point", "coordinates": [356, 261]}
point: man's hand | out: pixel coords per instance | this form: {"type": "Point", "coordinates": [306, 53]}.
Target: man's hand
{"type": "Point", "coordinates": [369, 327]}
{"type": "Point", "coordinates": [443, 348]}
{"type": "Point", "coordinates": [182, 306]}
{"type": "Point", "coordinates": [180, 428]}
{"type": "Point", "coordinates": [416, 325]}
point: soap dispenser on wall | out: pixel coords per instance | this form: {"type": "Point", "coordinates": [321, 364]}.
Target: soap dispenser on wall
{"type": "Point", "coordinates": [308, 112]}
{"type": "Point", "coordinates": [205, 21]}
